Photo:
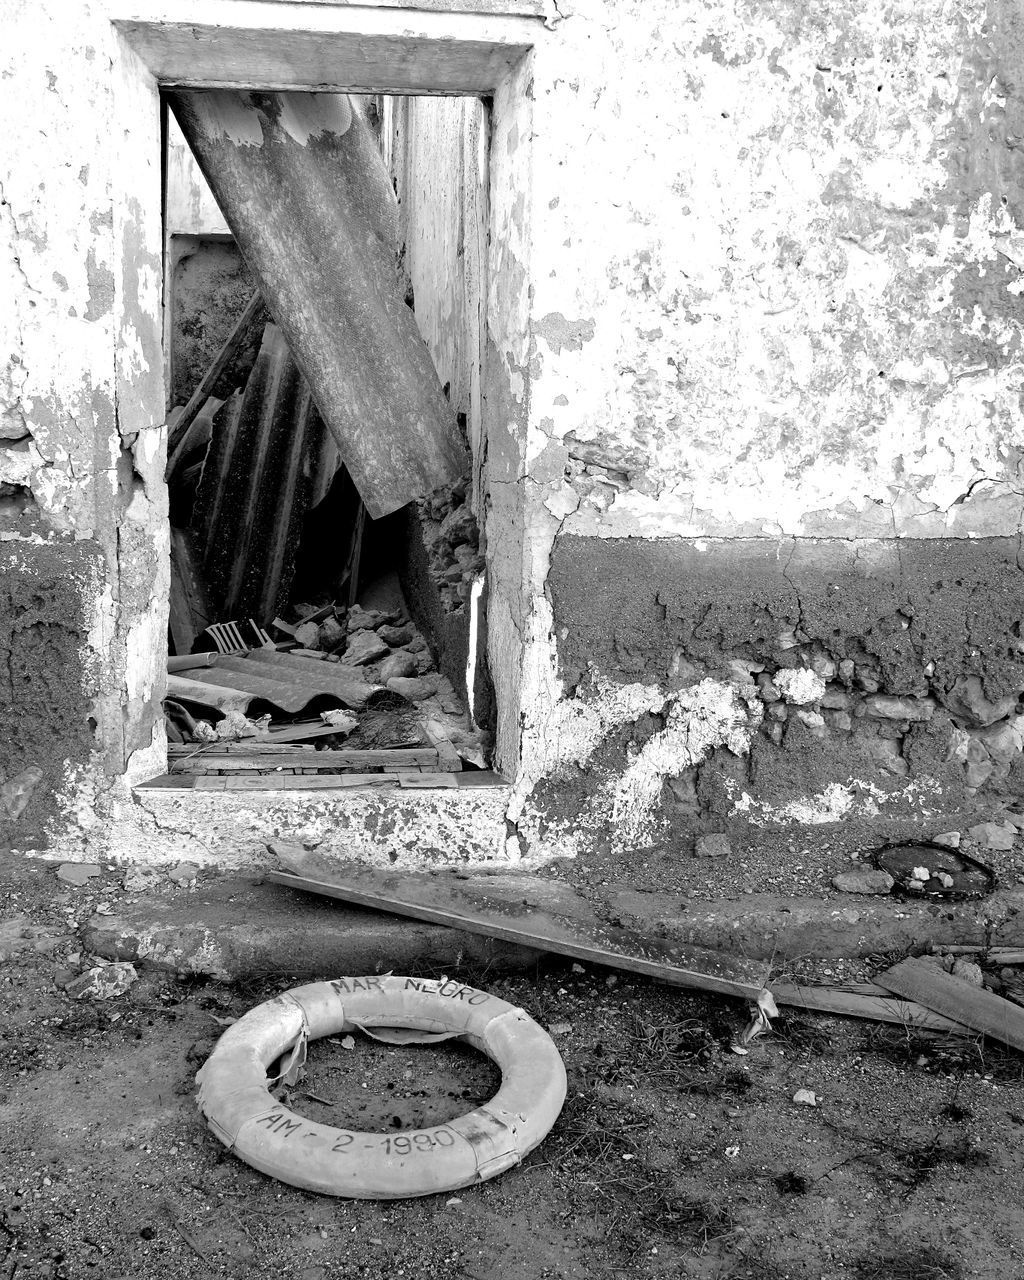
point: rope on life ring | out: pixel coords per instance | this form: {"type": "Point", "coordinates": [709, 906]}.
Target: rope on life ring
{"type": "Point", "coordinates": [235, 1099]}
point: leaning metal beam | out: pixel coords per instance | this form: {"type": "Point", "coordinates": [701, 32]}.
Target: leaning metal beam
{"type": "Point", "coordinates": [306, 194]}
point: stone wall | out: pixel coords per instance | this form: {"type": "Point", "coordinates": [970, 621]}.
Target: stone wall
{"type": "Point", "coordinates": [717, 683]}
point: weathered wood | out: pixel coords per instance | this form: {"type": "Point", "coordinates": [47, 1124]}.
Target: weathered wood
{"type": "Point", "coordinates": [302, 731]}
{"type": "Point", "coordinates": [296, 782]}
{"type": "Point", "coordinates": [974, 1007]}
{"type": "Point", "coordinates": [307, 196]}
{"type": "Point", "coordinates": [168, 782]}
{"type": "Point", "coordinates": [864, 1000]}
{"type": "Point", "coordinates": [443, 898]}
{"type": "Point", "coordinates": [449, 759]}
{"type": "Point", "coordinates": [523, 8]}
{"type": "Point", "coordinates": [176, 439]}
{"type": "Point", "coordinates": [246, 746]}
{"type": "Point", "coordinates": [357, 49]}
{"type": "Point", "coordinates": [214, 761]}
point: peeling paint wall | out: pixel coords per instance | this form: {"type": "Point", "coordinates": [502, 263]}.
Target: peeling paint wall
{"type": "Point", "coordinates": [81, 456]}
{"type": "Point", "coordinates": [778, 268]}
{"type": "Point", "coordinates": [753, 281]}
{"type": "Point", "coordinates": [776, 296]}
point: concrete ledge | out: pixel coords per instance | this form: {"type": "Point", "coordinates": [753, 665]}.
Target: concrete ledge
{"type": "Point", "coordinates": [229, 830]}
{"type": "Point", "coordinates": [232, 929]}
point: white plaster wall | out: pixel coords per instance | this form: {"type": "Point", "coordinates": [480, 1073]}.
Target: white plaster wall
{"type": "Point", "coordinates": [774, 290]}
{"type": "Point", "coordinates": [436, 150]}
{"type": "Point", "coordinates": [778, 267]}
{"type": "Point", "coordinates": [80, 271]}
{"type": "Point", "coordinates": [189, 209]}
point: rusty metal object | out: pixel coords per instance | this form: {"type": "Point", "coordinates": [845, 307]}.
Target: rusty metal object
{"type": "Point", "coordinates": [306, 194]}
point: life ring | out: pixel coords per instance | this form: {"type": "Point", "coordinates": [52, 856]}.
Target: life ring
{"type": "Point", "coordinates": [240, 1110]}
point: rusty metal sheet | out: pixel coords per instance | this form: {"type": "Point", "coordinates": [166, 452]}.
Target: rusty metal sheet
{"type": "Point", "coordinates": [257, 485]}
{"type": "Point", "coordinates": [306, 193]}
{"type": "Point", "coordinates": [525, 913]}
{"type": "Point", "coordinates": [238, 680]}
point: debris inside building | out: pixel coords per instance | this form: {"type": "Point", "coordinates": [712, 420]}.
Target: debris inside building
{"type": "Point", "coordinates": [298, 614]}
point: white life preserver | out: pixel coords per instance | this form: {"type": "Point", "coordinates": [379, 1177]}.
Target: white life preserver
{"type": "Point", "coordinates": [240, 1110]}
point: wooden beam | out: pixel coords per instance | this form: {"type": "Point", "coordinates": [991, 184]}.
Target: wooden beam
{"type": "Point", "coordinates": [336, 47]}
{"type": "Point", "coordinates": [864, 1000]}
{"type": "Point", "coordinates": [307, 195]}
{"type": "Point", "coordinates": [929, 985]}
{"type": "Point", "coordinates": [296, 782]}
{"type": "Point", "coordinates": [466, 904]}
{"type": "Point", "coordinates": [214, 760]}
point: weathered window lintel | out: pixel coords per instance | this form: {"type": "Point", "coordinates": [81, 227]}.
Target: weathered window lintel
{"type": "Point", "coordinates": [246, 44]}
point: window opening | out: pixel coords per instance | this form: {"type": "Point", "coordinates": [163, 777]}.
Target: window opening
{"type": "Point", "coordinates": [323, 633]}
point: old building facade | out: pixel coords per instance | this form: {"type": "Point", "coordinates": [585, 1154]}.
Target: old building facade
{"type": "Point", "coordinates": [743, 369]}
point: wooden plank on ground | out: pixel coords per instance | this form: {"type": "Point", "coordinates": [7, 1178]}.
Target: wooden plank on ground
{"type": "Point", "coordinates": [471, 904]}
{"type": "Point", "coordinates": [295, 781]}
{"type": "Point", "coordinates": [425, 781]}
{"type": "Point", "coordinates": [864, 1000]}
{"type": "Point", "coordinates": [974, 1007]}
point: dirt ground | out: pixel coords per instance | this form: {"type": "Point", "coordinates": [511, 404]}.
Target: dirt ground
{"type": "Point", "coordinates": [672, 1156]}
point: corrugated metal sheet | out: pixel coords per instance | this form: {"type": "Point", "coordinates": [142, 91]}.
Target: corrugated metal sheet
{"type": "Point", "coordinates": [307, 196]}
{"type": "Point", "coordinates": [261, 472]}
{"type": "Point", "coordinates": [283, 681]}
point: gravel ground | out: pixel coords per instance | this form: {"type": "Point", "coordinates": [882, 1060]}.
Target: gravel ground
{"type": "Point", "coordinates": [672, 1157]}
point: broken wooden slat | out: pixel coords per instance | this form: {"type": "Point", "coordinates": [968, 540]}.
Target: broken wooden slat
{"type": "Point", "coordinates": [993, 955]}
{"type": "Point", "coordinates": [449, 759]}
{"type": "Point", "coordinates": [246, 746]}
{"type": "Point", "coordinates": [973, 1007]}
{"type": "Point", "coordinates": [215, 760]}
{"type": "Point", "coordinates": [295, 782]}
{"type": "Point", "coordinates": [301, 731]}
{"type": "Point", "coordinates": [306, 193]}
{"type": "Point", "coordinates": [177, 443]}
{"type": "Point", "coordinates": [864, 1000]}
{"type": "Point", "coordinates": [167, 782]}
{"type": "Point", "coordinates": [465, 904]}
